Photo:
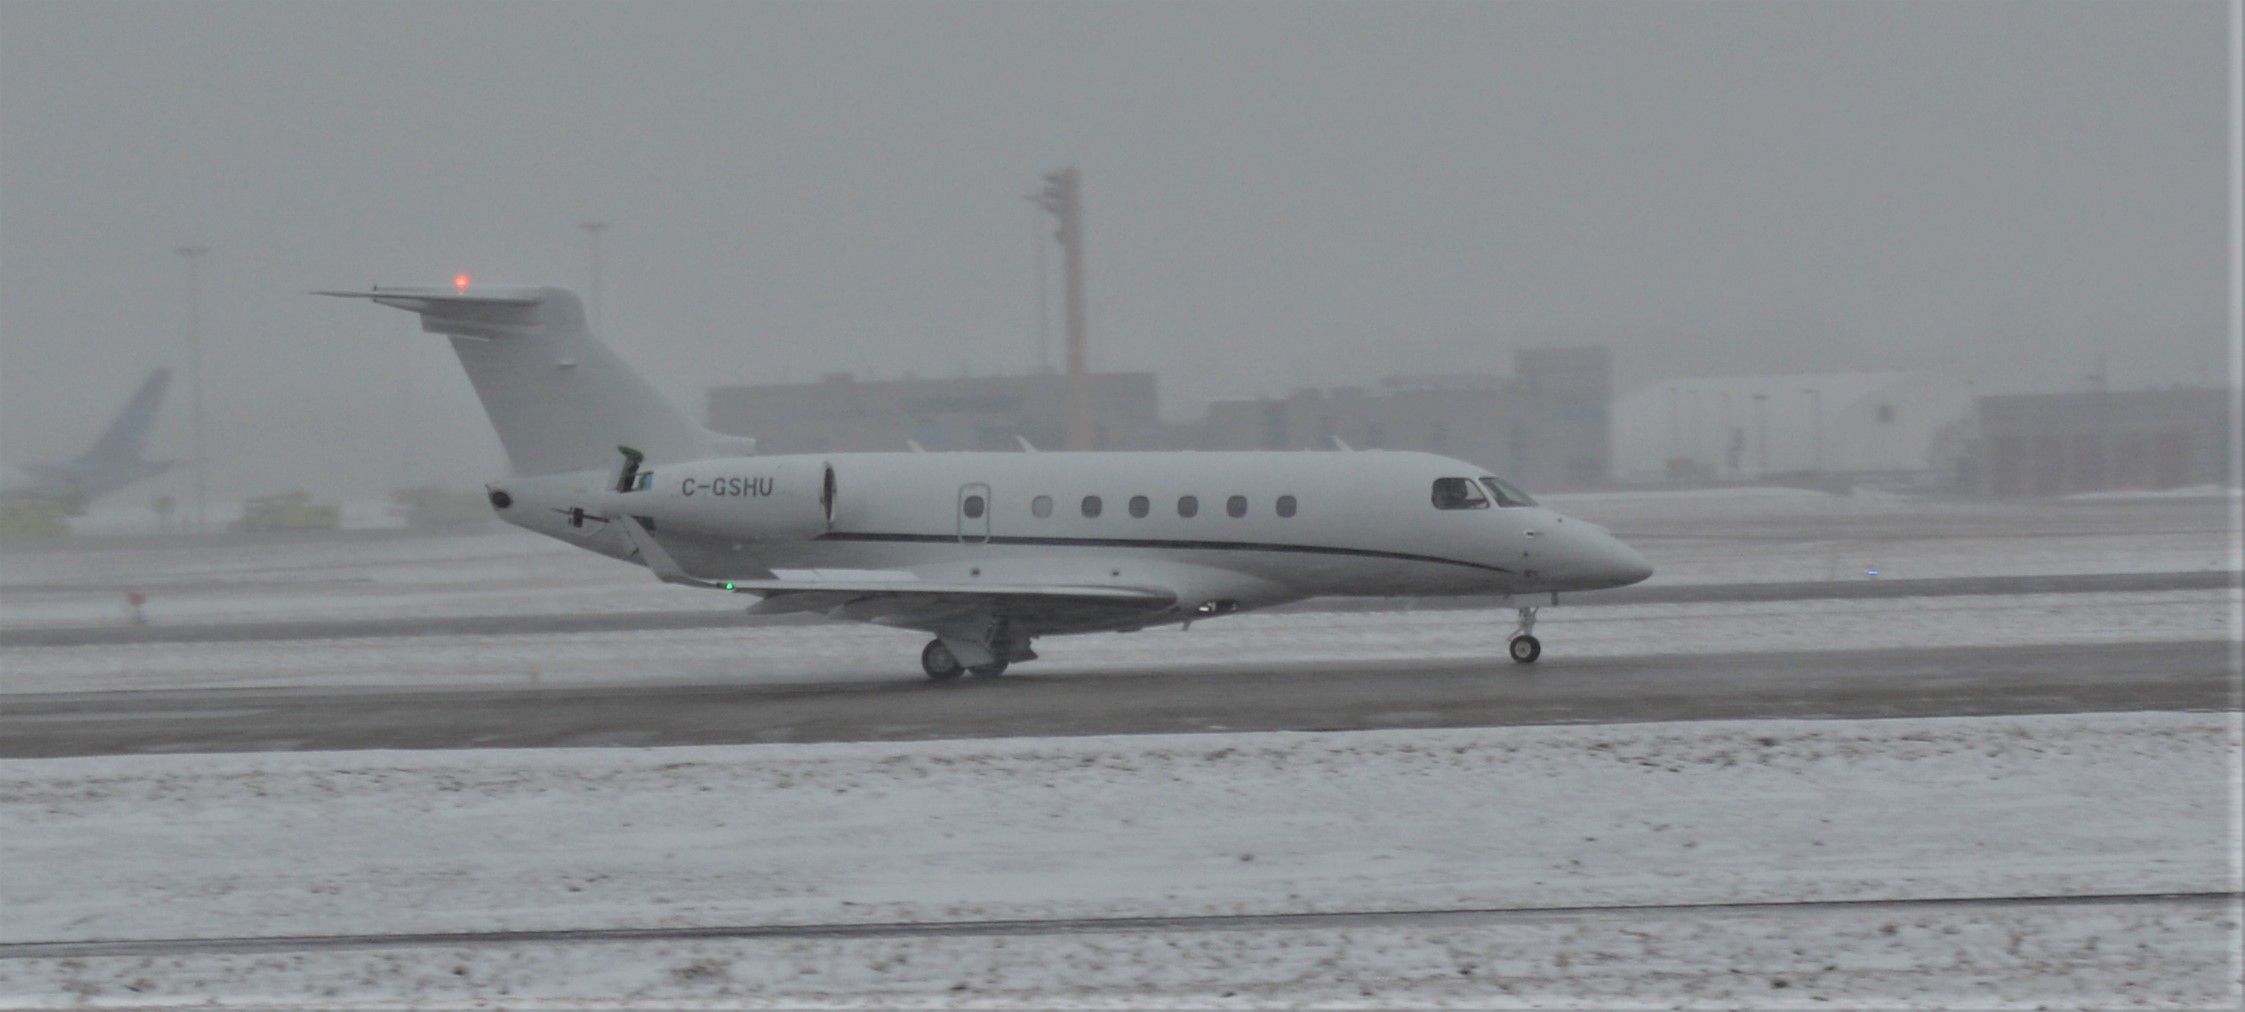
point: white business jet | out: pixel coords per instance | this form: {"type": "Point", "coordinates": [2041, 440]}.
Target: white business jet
{"type": "Point", "coordinates": [986, 551]}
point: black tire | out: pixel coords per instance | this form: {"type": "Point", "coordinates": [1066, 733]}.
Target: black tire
{"type": "Point", "coordinates": [936, 660]}
{"type": "Point", "coordinates": [990, 670]}
{"type": "Point", "coordinates": [1525, 649]}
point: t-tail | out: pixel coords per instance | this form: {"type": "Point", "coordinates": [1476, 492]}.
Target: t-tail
{"type": "Point", "coordinates": [560, 400]}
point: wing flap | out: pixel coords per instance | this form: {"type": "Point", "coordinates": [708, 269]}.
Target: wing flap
{"type": "Point", "coordinates": [865, 588]}
{"type": "Point", "coordinates": [920, 603]}
{"type": "Point", "coordinates": [907, 601]}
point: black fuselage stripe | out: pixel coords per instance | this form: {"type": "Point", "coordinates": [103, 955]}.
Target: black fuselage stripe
{"type": "Point", "coordinates": [1160, 543]}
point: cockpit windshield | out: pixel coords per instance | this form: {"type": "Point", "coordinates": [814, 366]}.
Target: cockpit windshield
{"type": "Point", "coordinates": [1505, 494]}
{"type": "Point", "coordinates": [1458, 494]}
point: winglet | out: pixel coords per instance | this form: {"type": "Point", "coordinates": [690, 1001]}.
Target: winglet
{"type": "Point", "coordinates": [1026, 445]}
{"type": "Point", "coordinates": [1342, 445]}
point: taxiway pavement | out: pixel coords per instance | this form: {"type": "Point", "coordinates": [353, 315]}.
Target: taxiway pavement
{"type": "Point", "coordinates": [1037, 702]}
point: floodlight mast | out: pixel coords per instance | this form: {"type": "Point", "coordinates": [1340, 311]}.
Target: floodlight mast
{"type": "Point", "coordinates": [1062, 197]}
{"type": "Point", "coordinates": [193, 254]}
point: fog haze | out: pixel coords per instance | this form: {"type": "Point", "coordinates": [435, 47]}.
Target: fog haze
{"type": "Point", "coordinates": [1278, 195]}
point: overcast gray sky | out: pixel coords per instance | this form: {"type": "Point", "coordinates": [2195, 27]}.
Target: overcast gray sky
{"type": "Point", "coordinates": [1279, 195]}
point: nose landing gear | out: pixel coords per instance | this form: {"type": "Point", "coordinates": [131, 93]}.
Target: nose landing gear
{"type": "Point", "coordinates": [1523, 645]}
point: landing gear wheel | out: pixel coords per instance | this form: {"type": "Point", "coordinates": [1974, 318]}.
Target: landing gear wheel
{"type": "Point", "coordinates": [990, 670]}
{"type": "Point", "coordinates": [936, 660]}
{"type": "Point", "coordinates": [1524, 646]}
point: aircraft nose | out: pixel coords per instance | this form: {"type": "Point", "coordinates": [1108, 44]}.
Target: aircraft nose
{"type": "Point", "coordinates": [1606, 562]}
{"type": "Point", "coordinates": [1625, 565]}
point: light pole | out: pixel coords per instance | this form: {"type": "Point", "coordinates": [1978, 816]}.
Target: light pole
{"type": "Point", "coordinates": [1816, 407]}
{"type": "Point", "coordinates": [1675, 431]}
{"type": "Point", "coordinates": [1044, 302]}
{"type": "Point", "coordinates": [194, 254]}
{"type": "Point", "coordinates": [1761, 435]}
{"type": "Point", "coordinates": [599, 305]}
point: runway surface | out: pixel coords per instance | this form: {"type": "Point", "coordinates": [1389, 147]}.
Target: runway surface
{"type": "Point", "coordinates": [520, 625]}
{"type": "Point", "coordinates": [1068, 926]}
{"type": "Point", "coordinates": [1030, 702]}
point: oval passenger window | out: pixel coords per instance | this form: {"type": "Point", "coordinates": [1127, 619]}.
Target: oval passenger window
{"type": "Point", "coordinates": [1041, 506]}
{"type": "Point", "coordinates": [1091, 506]}
{"type": "Point", "coordinates": [1285, 505]}
{"type": "Point", "coordinates": [1140, 505]}
{"type": "Point", "coordinates": [1236, 506]}
{"type": "Point", "coordinates": [1188, 506]}
{"type": "Point", "coordinates": [972, 507]}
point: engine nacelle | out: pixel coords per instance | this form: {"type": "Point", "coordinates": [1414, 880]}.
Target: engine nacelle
{"type": "Point", "coordinates": [742, 498]}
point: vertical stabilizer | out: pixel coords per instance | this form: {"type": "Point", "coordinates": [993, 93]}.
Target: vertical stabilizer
{"type": "Point", "coordinates": [125, 441]}
{"type": "Point", "coordinates": [560, 400]}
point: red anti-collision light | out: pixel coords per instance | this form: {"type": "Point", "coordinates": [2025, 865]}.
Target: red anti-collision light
{"type": "Point", "coordinates": [460, 281]}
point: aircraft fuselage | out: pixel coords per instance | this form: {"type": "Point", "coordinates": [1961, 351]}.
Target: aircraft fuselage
{"type": "Point", "coordinates": [1247, 529]}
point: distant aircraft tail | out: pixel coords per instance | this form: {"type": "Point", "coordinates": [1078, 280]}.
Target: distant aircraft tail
{"type": "Point", "coordinates": [560, 399]}
{"type": "Point", "coordinates": [126, 439]}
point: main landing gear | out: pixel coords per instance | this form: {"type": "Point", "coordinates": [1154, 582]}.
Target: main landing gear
{"type": "Point", "coordinates": [942, 666]}
{"type": "Point", "coordinates": [1524, 646]}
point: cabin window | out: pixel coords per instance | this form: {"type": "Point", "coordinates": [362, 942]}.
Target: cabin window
{"type": "Point", "coordinates": [972, 506]}
{"type": "Point", "coordinates": [1041, 506]}
{"type": "Point", "coordinates": [1507, 494]}
{"type": "Point", "coordinates": [1188, 506]}
{"type": "Point", "coordinates": [1285, 505]}
{"type": "Point", "coordinates": [1236, 506]}
{"type": "Point", "coordinates": [1458, 494]}
{"type": "Point", "coordinates": [1092, 506]}
{"type": "Point", "coordinates": [1140, 505]}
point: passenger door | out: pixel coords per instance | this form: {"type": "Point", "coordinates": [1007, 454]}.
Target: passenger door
{"type": "Point", "coordinates": [974, 514]}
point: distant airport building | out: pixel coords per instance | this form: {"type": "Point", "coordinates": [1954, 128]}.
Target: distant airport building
{"type": "Point", "coordinates": [841, 413]}
{"type": "Point", "coordinates": [2097, 440]}
{"type": "Point", "coordinates": [1903, 427]}
{"type": "Point", "coordinates": [1545, 427]}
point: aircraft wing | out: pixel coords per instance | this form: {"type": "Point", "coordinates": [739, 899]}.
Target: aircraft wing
{"type": "Point", "coordinates": [919, 603]}
{"type": "Point", "coordinates": [916, 603]}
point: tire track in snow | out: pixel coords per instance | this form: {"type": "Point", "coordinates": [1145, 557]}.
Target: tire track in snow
{"type": "Point", "coordinates": [1062, 926]}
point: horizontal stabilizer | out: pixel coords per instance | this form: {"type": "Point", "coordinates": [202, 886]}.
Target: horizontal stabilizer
{"type": "Point", "coordinates": [485, 313]}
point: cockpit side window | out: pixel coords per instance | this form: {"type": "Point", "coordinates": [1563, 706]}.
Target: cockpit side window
{"type": "Point", "coordinates": [1506, 494]}
{"type": "Point", "coordinates": [1458, 494]}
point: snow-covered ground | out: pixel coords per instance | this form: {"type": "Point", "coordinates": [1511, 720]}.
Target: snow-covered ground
{"type": "Point", "coordinates": [283, 844]}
